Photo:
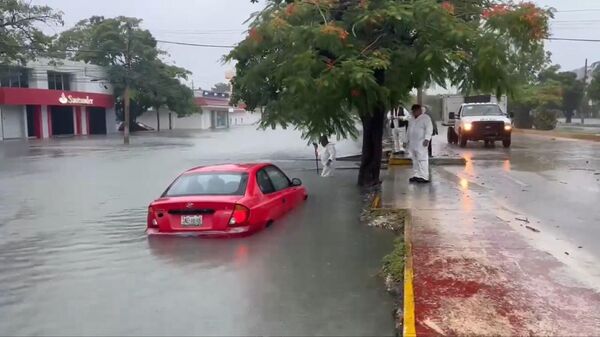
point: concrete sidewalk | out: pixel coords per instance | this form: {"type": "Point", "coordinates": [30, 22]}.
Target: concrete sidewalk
{"type": "Point", "coordinates": [477, 270]}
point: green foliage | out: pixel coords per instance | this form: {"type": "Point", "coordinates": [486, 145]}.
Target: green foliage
{"type": "Point", "coordinates": [221, 88]}
{"type": "Point", "coordinates": [393, 263]}
{"type": "Point", "coordinates": [594, 87]}
{"type": "Point", "coordinates": [132, 58]}
{"type": "Point", "coordinates": [545, 119]}
{"type": "Point", "coordinates": [551, 90]}
{"type": "Point", "coordinates": [321, 65]}
{"type": "Point", "coordinates": [20, 38]}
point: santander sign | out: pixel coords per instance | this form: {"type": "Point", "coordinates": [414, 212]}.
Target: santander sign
{"type": "Point", "coordinates": [69, 99]}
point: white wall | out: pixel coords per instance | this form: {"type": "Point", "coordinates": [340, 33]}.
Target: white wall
{"type": "Point", "coordinates": [243, 118]}
{"type": "Point", "coordinates": [111, 121]}
{"type": "Point", "coordinates": [196, 121]}
{"type": "Point", "coordinates": [82, 75]}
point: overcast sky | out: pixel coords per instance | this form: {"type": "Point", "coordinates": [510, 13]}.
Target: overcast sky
{"type": "Point", "coordinates": [222, 22]}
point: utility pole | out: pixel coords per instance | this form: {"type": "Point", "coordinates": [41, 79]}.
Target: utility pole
{"type": "Point", "coordinates": [126, 94]}
{"type": "Point", "coordinates": [583, 108]}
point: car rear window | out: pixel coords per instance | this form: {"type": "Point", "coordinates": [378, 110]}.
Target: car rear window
{"type": "Point", "coordinates": [209, 184]}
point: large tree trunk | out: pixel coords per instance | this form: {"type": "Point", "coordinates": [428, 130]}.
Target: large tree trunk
{"type": "Point", "coordinates": [372, 148]}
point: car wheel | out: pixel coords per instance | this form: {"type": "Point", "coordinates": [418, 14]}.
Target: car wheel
{"type": "Point", "coordinates": [506, 143]}
{"type": "Point", "coordinates": [462, 140]}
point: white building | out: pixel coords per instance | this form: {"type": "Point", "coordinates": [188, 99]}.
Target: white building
{"type": "Point", "coordinates": [49, 98]}
{"type": "Point", "coordinates": [215, 113]}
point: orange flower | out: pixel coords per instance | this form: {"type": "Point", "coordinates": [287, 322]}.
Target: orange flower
{"type": "Point", "coordinates": [254, 35]}
{"type": "Point", "coordinates": [332, 29]}
{"type": "Point", "coordinates": [290, 9]}
{"type": "Point", "coordinates": [448, 7]}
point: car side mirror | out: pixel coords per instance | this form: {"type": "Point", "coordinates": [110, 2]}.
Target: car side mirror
{"type": "Point", "coordinates": [296, 182]}
{"type": "Point", "coordinates": [452, 115]}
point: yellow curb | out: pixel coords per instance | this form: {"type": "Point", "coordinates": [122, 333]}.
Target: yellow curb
{"type": "Point", "coordinates": [409, 295]}
{"type": "Point", "coordinates": [399, 162]}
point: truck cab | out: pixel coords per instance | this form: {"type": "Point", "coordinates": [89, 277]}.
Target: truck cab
{"type": "Point", "coordinates": [480, 121]}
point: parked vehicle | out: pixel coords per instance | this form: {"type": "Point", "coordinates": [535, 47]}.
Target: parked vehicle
{"type": "Point", "coordinates": [224, 200]}
{"type": "Point", "coordinates": [480, 121]}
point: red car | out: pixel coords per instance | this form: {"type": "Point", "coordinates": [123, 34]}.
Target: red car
{"type": "Point", "coordinates": [224, 200]}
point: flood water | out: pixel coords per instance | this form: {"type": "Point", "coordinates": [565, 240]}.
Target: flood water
{"type": "Point", "coordinates": [74, 258]}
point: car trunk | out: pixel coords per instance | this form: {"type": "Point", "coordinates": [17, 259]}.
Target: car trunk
{"type": "Point", "coordinates": [195, 213]}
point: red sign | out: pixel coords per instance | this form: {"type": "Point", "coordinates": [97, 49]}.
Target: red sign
{"type": "Point", "coordinates": [31, 96]}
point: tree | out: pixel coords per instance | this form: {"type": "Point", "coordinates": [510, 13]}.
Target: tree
{"type": "Point", "coordinates": [323, 65]}
{"type": "Point", "coordinates": [572, 89]}
{"type": "Point", "coordinates": [130, 54]}
{"type": "Point", "coordinates": [163, 88]}
{"type": "Point", "coordinates": [20, 39]}
{"type": "Point", "coordinates": [221, 88]}
{"type": "Point", "coordinates": [593, 90]}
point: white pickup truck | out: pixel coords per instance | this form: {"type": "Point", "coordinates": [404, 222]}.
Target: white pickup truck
{"type": "Point", "coordinates": [480, 121]}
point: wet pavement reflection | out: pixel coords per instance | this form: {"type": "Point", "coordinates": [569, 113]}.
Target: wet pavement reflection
{"type": "Point", "coordinates": [75, 259]}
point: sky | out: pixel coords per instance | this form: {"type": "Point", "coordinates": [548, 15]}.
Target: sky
{"type": "Point", "coordinates": [222, 22]}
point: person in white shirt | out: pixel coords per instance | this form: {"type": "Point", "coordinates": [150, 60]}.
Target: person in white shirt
{"type": "Point", "coordinates": [420, 130]}
{"type": "Point", "coordinates": [398, 124]}
{"type": "Point", "coordinates": [327, 157]}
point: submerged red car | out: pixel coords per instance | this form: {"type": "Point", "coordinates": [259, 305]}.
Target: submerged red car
{"type": "Point", "coordinates": [224, 200]}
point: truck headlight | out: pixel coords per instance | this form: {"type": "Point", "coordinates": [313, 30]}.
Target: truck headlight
{"type": "Point", "coordinates": [467, 126]}
{"type": "Point", "coordinates": [507, 127]}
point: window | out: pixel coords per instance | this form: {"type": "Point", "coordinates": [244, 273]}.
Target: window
{"type": "Point", "coordinates": [209, 184]}
{"type": "Point", "coordinates": [264, 183]}
{"type": "Point", "coordinates": [59, 81]}
{"type": "Point", "coordinates": [481, 110]}
{"type": "Point", "coordinates": [280, 181]}
{"type": "Point", "coordinates": [15, 77]}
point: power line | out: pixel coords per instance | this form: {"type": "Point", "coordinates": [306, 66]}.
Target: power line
{"type": "Point", "coordinates": [570, 39]}
{"type": "Point", "coordinates": [578, 10]}
{"type": "Point", "coordinates": [195, 44]}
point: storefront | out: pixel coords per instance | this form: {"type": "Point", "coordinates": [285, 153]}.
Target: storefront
{"type": "Point", "coordinates": [43, 113]}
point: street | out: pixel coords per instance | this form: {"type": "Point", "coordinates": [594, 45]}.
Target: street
{"type": "Point", "coordinates": [505, 245]}
{"type": "Point", "coordinates": [76, 261]}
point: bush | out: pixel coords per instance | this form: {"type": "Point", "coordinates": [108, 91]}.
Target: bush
{"type": "Point", "coordinates": [546, 119]}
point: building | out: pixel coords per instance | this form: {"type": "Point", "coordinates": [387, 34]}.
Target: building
{"type": "Point", "coordinates": [47, 98]}
{"type": "Point", "coordinates": [215, 113]}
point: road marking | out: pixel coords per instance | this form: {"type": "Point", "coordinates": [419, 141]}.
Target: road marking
{"type": "Point", "coordinates": [409, 296]}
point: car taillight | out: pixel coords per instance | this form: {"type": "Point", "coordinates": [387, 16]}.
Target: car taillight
{"type": "Point", "coordinates": [152, 222]}
{"type": "Point", "coordinates": [239, 216]}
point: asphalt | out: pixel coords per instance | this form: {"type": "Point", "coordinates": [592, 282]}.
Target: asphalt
{"type": "Point", "coordinates": [75, 259]}
{"type": "Point", "coordinates": [505, 245]}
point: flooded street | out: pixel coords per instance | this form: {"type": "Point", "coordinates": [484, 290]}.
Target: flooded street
{"type": "Point", "coordinates": [76, 261]}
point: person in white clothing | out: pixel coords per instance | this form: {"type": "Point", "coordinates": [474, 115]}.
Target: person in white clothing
{"type": "Point", "coordinates": [420, 130]}
{"type": "Point", "coordinates": [327, 157]}
{"type": "Point", "coordinates": [398, 125]}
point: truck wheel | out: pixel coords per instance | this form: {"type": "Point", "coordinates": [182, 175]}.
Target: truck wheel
{"type": "Point", "coordinates": [506, 143]}
{"type": "Point", "coordinates": [450, 136]}
{"type": "Point", "coordinates": [462, 140]}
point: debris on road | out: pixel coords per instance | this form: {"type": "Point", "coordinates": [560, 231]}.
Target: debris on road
{"type": "Point", "coordinates": [522, 219]}
{"type": "Point", "coordinates": [532, 229]}
{"type": "Point", "coordinates": [391, 219]}
{"type": "Point", "coordinates": [567, 253]}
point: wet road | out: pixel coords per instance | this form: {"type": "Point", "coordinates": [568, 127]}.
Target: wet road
{"type": "Point", "coordinates": [553, 181]}
{"type": "Point", "coordinates": [75, 259]}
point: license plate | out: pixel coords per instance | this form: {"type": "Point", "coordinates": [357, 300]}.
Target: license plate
{"type": "Point", "coordinates": [191, 220]}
